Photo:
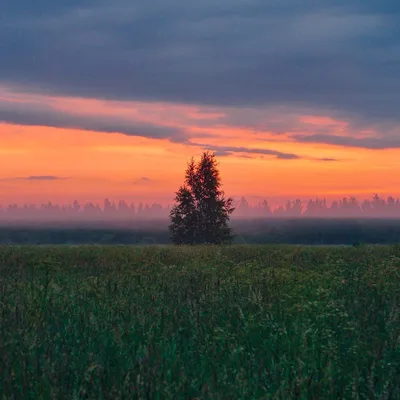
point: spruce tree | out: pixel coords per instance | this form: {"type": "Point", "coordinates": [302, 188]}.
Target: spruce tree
{"type": "Point", "coordinates": [201, 212]}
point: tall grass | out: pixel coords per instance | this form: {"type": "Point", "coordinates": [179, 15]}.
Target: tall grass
{"type": "Point", "coordinates": [241, 322]}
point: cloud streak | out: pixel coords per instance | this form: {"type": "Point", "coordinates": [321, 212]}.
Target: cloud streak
{"type": "Point", "coordinates": [373, 143]}
{"type": "Point", "coordinates": [224, 151]}
{"type": "Point", "coordinates": [142, 180]}
{"type": "Point", "coordinates": [40, 114]}
{"type": "Point", "coordinates": [36, 178]}
{"type": "Point", "coordinates": [43, 178]}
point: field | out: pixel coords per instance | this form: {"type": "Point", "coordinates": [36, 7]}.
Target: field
{"type": "Point", "coordinates": [240, 322]}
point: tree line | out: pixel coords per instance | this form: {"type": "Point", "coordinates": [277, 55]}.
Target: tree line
{"type": "Point", "coordinates": [347, 207]}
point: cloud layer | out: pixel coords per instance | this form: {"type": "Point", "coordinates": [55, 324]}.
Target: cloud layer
{"type": "Point", "coordinates": [35, 178]}
{"type": "Point", "coordinates": [41, 114]}
{"type": "Point", "coordinates": [259, 65]}
{"type": "Point", "coordinates": [42, 178]}
{"type": "Point", "coordinates": [176, 123]}
{"type": "Point", "coordinates": [335, 54]}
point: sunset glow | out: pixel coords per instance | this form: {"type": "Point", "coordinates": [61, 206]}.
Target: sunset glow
{"type": "Point", "coordinates": [91, 165]}
{"type": "Point", "coordinates": [111, 100]}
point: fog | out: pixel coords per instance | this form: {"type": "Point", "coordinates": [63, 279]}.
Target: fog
{"type": "Point", "coordinates": [155, 215]}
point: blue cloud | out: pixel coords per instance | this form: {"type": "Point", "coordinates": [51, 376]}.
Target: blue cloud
{"type": "Point", "coordinates": [337, 55]}
{"type": "Point", "coordinates": [235, 52]}
{"type": "Point", "coordinates": [41, 178]}
{"type": "Point", "coordinates": [245, 152]}
{"type": "Point", "coordinates": [40, 114]}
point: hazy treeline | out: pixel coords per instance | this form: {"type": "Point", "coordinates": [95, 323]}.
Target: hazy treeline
{"type": "Point", "coordinates": [84, 212]}
{"type": "Point", "coordinates": [348, 207]}
{"type": "Point", "coordinates": [377, 207]}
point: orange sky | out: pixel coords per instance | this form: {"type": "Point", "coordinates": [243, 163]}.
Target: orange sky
{"type": "Point", "coordinates": [95, 164]}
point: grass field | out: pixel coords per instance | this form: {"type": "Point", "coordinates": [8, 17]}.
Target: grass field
{"type": "Point", "coordinates": [242, 322]}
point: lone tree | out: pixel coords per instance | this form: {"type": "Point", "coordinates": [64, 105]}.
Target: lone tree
{"type": "Point", "coordinates": [201, 211]}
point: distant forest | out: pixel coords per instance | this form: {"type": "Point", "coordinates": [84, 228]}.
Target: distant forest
{"type": "Point", "coordinates": [376, 207]}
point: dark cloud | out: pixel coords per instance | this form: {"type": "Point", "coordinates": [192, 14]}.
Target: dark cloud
{"type": "Point", "coordinates": [374, 143]}
{"type": "Point", "coordinates": [284, 156]}
{"type": "Point", "coordinates": [341, 129]}
{"type": "Point", "coordinates": [40, 178]}
{"type": "Point", "coordinates": [229, 150]}
{"type": "Point", "coordinates": [336, 54]}
{"type": "Point", "coordinates": [40, 114]}
{"type": "Point", "coordinates": [328, 159]}
{"type": "Point", "coordinates": [222, 153]}
{"type": "Point", "coordinates": [245, 152]}
{"type": "Point", "coordinates": [143, 179]}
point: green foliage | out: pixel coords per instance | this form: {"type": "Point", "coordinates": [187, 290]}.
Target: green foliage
{"type": "Point", "coordinates": [242, 322]}
{"type": "Point", "coordinates": [201, 212]}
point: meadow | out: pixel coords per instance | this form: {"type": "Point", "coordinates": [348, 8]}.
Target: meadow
{"type": "Point", "coordinates": [164, 322]}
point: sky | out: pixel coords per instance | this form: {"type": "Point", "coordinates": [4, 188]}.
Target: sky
{"type": "Point", "coordinates": [100, 98]}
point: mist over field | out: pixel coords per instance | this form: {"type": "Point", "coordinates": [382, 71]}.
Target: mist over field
{"type": "Point", "coordinates": [246, 231]}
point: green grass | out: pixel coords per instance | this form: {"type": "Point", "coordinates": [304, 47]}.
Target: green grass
{"type": "Point", "coordinates": [242, 322]}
